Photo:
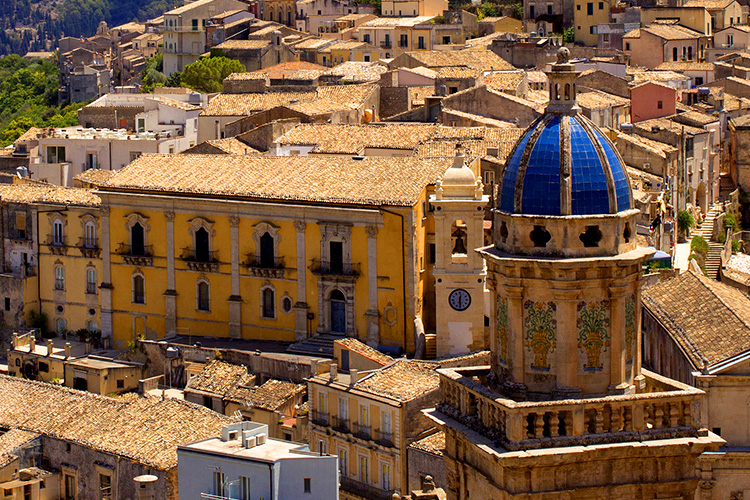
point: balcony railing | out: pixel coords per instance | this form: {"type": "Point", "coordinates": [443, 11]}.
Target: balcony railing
{"type": "Point", "coordinates": [203, 261]}
{"type": "Point", "coordinates": [385, 438]}
{"type": "Point", "coordinates": [340, 424]}
{"type": "Point", "coordinates": [403, 44]}
{"type": "Point", "coordinates": [362, 431]}
{"type": "Point", "coordinates": [265, 267]}
{"type": "Point", "coordinates": [91, 288]}
{"type": "Point", "coordinates": [57, 247]}
{"type": "Point", "coordinates": [319, 417]}
{"type": "Point", "coordinates": [89, 248]}
{"type": "Point", "coordinates": [364, 490]}
{"type": "Point", "coordinates": [386, 44]}
{"type": "Point", "coordinates": [328, 268]}
{"type": "Point", "coordinates": [139, 255]}
{"type": "Point", "coordinates": [59, 284]}
{"type": "Point", "coordinates": [664, 409]}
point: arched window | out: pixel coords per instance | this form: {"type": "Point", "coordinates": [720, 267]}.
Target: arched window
{"type": "Point", "coordinates": [567, 91]}
{"type": "Point", "coordinates": [286, 304]}
{"type": "Point", "coordinates": [338, 312]}
{"type": "Point", "coordinates": [203, 298]}
{"type": "Point", "coordinates": [59, 278]}
{"type": "Point", "coordinates": [58, 235]}
{"type": "Point", "coordinates": [89, 234]}
{"type": "Point", "coordinates": [557, 91]}
{"type": "Point", "coordinates": [267, 245]}
{"type": "Point", "coordinates": [268, 302]}
{"type": "Point", "coordinates": [139, 289]}
{"type": "Point", "coordinates": [91, 280]}
{"type": "Point", "coordinates": [458, 235]}
{"type": "Point", "coordinates": [202, 253]}
{"type": "Point", "coordinates": [137, 240]}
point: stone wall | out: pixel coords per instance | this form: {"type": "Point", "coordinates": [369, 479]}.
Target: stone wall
{"type": "Point", "coordinates": [393, 100]}
{"type": "Point", "coordinates": [263, 137]}
{"type": "Point", "coordinates": [661, 353]}
{"type": "Point", "coordinates": [108, 116]}
{"type": "Point", "coordinates": [423, 463]}
{"type": "Point", "coordinates": [256, 120]}
{"type": "Point", "coordinates": [481, 101]}
{"type": "Point", "coordinates": [245, 86]}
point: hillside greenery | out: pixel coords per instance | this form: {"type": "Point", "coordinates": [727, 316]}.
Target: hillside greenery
{"type": "Point", "coordinates": [37, 25]}
{"type": "Point", "coordinates": [28, 98]}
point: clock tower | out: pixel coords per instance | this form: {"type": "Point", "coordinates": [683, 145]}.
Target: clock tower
{"type": "Point", "coordinates": [459, 272]}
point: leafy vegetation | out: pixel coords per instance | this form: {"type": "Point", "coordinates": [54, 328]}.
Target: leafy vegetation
{"type": "Point", "coordinates": [491, 8]}
{"type": "Point", "coordinates": [38, 24]}
{"type": "Point", "coordinates": [38, 320]}
{"type": "Point", "coordinates": [684, 221]}
{"type": "Point", "coordinates": [206, 74]}
{"type": "Point", "coordinates": [700, 246]}
{"type": "Point", "coordinates": [569, 36]}
{"type": "Point", "coordinates": [28, 98]}
{"type": "Point", "coordinates": [730, 220]}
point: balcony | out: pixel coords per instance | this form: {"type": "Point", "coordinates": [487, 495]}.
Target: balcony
{"type": "Point", "coordinates": [141, 255]}
{"type": "Point", "coordinates": [403, 44]}
{"type": "Point", "coordinates": [89, 248]}
{"type": "Point", "coordinates": [91, 288]}
{"type": "Point", "coordinates": [59, 284]}
{"type": "Point", "coordinates": [385, 438]}
{"type": "Point", "coordinates": [340, 424]}
{"type": "Point", "coordinates": [319, 417]}
{"type": "Point", "coordinates": [362, 431]}
{"type": "Point", "coordinates": [365, 490]}
{"type": "Point", "coordinates": [205, 261]}
{"type": "Point", "coordinates": [386, 45]}
{"type": "Point", "coordinates": [56, 247]}
{"type": "Point", "coordinates": [265, 267]}
{"type": "Point", "coordinates": [663, 409]}
{"type": "Point", "coordinates": [339, 269]}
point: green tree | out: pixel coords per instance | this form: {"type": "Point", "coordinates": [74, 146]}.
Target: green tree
{"type": "Point", "coordinates": [684, 221]}
{"type": "Point", "coordinates": [174, 80]}
{"type": "Point", "coordinates": [206, 75]}
{"type": "Point", "coordinates": [569, 35]}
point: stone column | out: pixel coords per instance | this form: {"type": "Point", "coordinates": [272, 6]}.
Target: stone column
{"type": "Point", "coordinates": [514, 292]}
{"type": "Point", "coordinates": [566, 300]}
{"type": "Point", "coordinates": [372, 314]}
{"type": "Point", "coordinates": [300, 307]}
{"type": "Point", "coordinates": [638, 378]}
{"type": "Point", "coordinates": [170, 294]}
{"type": "Point", "coordinates": [106, 286]}
{"type": "Point", "coordinates": [618, 383]}
{"type": "Point", "coordinates": [235, 299]}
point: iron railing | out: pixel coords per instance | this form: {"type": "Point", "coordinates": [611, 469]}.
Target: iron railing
{"type": "Point", "coordinates": [325, 267]}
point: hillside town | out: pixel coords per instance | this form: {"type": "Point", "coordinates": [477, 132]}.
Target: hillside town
{"type": "Point", "coordinates": [398, 250]}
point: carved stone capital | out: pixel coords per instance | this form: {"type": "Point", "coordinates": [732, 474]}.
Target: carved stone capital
{"type": "Point", "coordinates": [169, 216]}
{"type": "Point", "coordinates": [299, 225]}
{"type": "Point", "coordinates": [371, 230]}
{"type": "Point", "coordinates": [234, 221]}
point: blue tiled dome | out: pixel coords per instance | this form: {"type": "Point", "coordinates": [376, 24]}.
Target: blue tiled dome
{"type": "Point", "coordinates": [564, 165]}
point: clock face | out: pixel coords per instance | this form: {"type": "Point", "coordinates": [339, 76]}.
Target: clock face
{"type": "Point", "coordinates": [459, 299]}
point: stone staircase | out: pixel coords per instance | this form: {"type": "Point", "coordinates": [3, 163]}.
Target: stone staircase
{"type": "Point", "coordinates": [713, 259]}
{"type": "Point", "coordinates": [317, 345]}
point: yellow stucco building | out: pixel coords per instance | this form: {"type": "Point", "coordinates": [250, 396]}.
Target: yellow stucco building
{"type": "Point", "coordinates": [273, 248]}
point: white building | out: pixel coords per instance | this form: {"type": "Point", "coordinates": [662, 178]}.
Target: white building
{"type": "Point", "coordinates": [64, 153]}
{"type": "Point", "coordinates": [185, 31]}
{"type": "Point", "coordinates": [244, 463]}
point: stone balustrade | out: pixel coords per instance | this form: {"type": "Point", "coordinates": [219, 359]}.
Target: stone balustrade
{"type": "Point", "coordinates": [663, 409]}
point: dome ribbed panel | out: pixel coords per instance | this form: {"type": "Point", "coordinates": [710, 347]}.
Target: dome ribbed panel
{"type": "Point", "coordinates": [589, 194]}
{"type": "Point", "coordinates": [622, 188]}
{"type": "Point", "coordinates": [511, 172]}
{"type": "Point", "coordinates": [541, 185]}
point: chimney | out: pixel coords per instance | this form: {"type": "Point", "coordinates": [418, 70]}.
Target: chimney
{"type": "Point", "coordinates": [353, 376]}
{"type": "Point", "coordinates": [145, 487]}
{"type": "Point", "coordinates": [32, 343]}
{"type": "Point", "coordinates": [67, 350]}
{"type": "Point", "coordinates": [333, 372]}
{"type": "Point", "coordinates": [49, 348]}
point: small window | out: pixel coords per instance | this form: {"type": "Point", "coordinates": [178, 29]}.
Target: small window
{"type": "Point", "coordinates": [578, 7]}
{"type": "Point", "coordinates": [268, 297]}
{"type": "Point", "coordinates": [7, 303]}
{"type": "Point", "coordinates": [58, 236]}
{"type": "Point", "coordinates": [627, 45]}
{"type": "Point", "coordinates": [204, 302]}
{"type": "Point", "coordinates": [59, 278]}
{"type": "Point", "coordinates": [601, 5]}
{"type": "Point", "coordinates": [590, 8]}
{"type": "Point", "coordinates": [91, 280]}
{"type": "Point", "coordinates": [432, 253]}
{"type": "Point", "coordinates": [120, 384]}
{"type": "Point", "coordinates": [716, 430]}
{"type": "Point", "coordinates": [139, 296]}
{"type": "Point", "coordinates": [105, 486]}
{"type": "Point", "coordinates": [43, 367]}
{"type": "Point", "coordinates": [659, 104]}
{"type": "Point", "coordinates": [308, 485]}
{"type": "Point", "coordinates": [286, 304]}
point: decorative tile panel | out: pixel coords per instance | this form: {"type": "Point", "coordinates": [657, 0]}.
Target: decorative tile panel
{"type": "Point", "coordinates": [592, 323]}
{"type": "Point", "coordinates": [630, 328]}
{"type": "Point", "coordinates": [501, 323]}
{"type": "Point", "coordinates": [540, 335]}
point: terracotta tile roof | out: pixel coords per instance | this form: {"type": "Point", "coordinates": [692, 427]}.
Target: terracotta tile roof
{"type": "Point", "coordinates": [218, 377]}
{"type": "Point", "coordinates": [492, 19]}
{"type": "Point", "coordinates": [372, 181]}
{"type": "Point", "coordinates": [146, 429]}
{"type": "Point", "coordinates": [351, 139]}
{"type": "Point", "coordinates": [188, 7]}
{"type": "Point", "coordinates": [695, 119]}
{"type": "Point", "coordinates": [230, 145]}
{"type": "Point", "coordinates": [458, 72]}
{"type": "Point", "coordinates": [485, 60]}
{"type": "Point", "coordinates": [271, 395]}
{"type": "Point", "coordinates": [29, 135]}
{"type": "Point", "coordinates": [505, 81]}
{"type": "Point", "coordinates": [11, 441]}
{"type": "Point", "coordinates": [173, 103]}
{"type": "Point", "coordinates": [94, 176]}
{"type": "Point", "coordinates": [313, 43]}
{"type": "Point", "coordinates": [434, 443]}
{"type": "Point", "coordinates": [292, 69]}
{"type": "Point", "coordinates": [596, 99]}
{"type": "Point", "coordinates": [685, 66]}
{"type": "Point", "coordinates": [654, 147]}
{"type": "Point", "coordinates": [473, 145]}
{"type": "Point", "coordinates": [734, 103]}
{"type": "Point", "coordinates": [670, 32]}
{"type": "Point", "coordinates": [254, 75]}
{"type": "Point", "coordinates": [332, 98]}
{"type": "Point", "coordinates": [384, 22]}
{"type": "Point", "coordinates": [707, 318]}
{"type": "Point", "coordinates": [483, 41]}
{"type": "Point", "coordinates": [421, 70]}
{"type": "Point", "coordinates": [348, 45]}
{"type": "Point", "coordinates": [365, 350]}
{"type": "Point", "coordinates": [667, 124]}
{"type": "Point", "coordinates": [657, 76]}
{"type": "Point", "coordinates": [709, 4]}
{"type": "Point", "coordinates": [541, 77]}
{"type": "Point", "coordinates": [357, 72]}
{"type": "Point", "coordinates": [243, 45]}
{"type": "Point", "coordinates": [402, 380]}
{"type": "Point", "coordinates": [41, 193]}
{"type": "Point", "coordinates": [352, 17]}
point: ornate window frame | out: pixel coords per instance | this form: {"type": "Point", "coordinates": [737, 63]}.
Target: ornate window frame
{"type": "Point", "coordinates": [86, 221]}
{"type": "Point", "coordinates": [60, 320]}
{"type": "Point", "coordinates": [284, 298]}
{"type": "Point", "coordinates": [334, 231]}
{"type": "Point", "coordinates": [202, 280]}
{"type": "Point", "coordinates": [131, 220]}
{"type": "Point", "coordinates": [90, 267]}
{"type": "Point", "coordinates": [267, 285]}
{"type": "Point", "coordinates": [137, 274]}
{"type": "Point", "coordinates": [200, 222]}
{"type": "Point", "coordinates": [59, 270]}
{"type": "Point", "coordinates": [262, 228]}
{"type": "Point", "coordinates": [324, 308]}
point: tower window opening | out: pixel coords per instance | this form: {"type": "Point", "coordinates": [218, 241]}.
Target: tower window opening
{"type": "Point", "coordinates": [591, 237]}
{"type": "Point", "coordinates": [540, 236]}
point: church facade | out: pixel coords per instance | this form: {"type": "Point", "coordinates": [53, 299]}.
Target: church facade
{"type": "Point", "coordinates": [565, 409]}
